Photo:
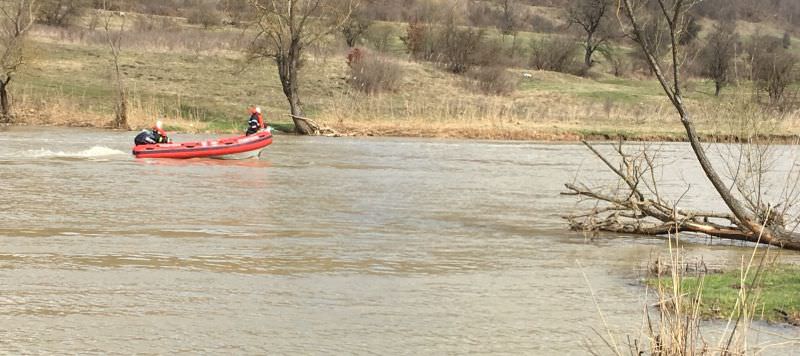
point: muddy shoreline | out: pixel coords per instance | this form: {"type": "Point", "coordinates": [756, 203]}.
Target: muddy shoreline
{"type": "Point", "coordinates": [557, 135]}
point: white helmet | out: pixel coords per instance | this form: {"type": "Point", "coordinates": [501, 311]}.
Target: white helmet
{"type": "Point", "coordinates": [258, 109]}
{"type": "Point", "coordinates": [159, 124]}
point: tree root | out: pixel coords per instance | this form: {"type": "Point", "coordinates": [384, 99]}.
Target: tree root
{"type": "Point", "coordinates": [317, 129]}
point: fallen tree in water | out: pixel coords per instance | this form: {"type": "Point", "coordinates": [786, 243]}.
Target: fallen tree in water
{"type": "Point", "coordinates": [749, 218]}
{"type": "Point", "coordinates": [636, 206]}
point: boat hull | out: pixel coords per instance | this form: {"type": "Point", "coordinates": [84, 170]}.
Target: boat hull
{"type": "Point", "coordinates": [240, 155]}
{"type": "Point", "coordinates": [240, 147]}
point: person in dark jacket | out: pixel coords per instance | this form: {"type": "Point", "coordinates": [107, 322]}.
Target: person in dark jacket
{"type": "Point", "coordinates": [152, 136]}
{"type": "Point", "coordinates": [256, 121]}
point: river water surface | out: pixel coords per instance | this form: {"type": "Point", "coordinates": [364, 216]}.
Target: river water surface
{"type": "Point", "coordinates": [322, 246]}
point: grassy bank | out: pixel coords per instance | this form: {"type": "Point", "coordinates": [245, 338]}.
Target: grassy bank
{"type": "Point", "coordinates": [774, 290]}
{"type": "Point", "coordinates": [195, 80]}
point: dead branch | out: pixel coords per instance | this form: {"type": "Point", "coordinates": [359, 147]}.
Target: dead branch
{"type": "Point", "coordinates": [632, 211]}
{"type": "Point", "coordinates": [760, 226]}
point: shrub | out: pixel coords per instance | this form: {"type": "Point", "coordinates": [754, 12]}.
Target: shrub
{"type": "Point", "coordinates": [455, 47]}
{"type": "Point", "coordinates": [690, 32]}
{"type": "Point", "coordinates": [717, 58]}
{"type": "Point", "coordinates": [494, 80]}
{"type": "Point", "coordinates": [354, 28]}
{"type": "Point", "coordinates": [152, 24]}
{"type": "Point", "coordinates": [458, 47]}
{"type": "Point", "coordinates": [419, 41]}
{"type": "Point", "coordinates": [773, 67]}
{"type": "Point", "coordinates": [774, 72]}
{"type": "Point", "coordinates": [555, 53]}
{"type": "Point", "coordinates": [542, 24]}
{"type": "Point", "coordinates": [372, 74]}
{"type": "Point", "coordinates": [151, 7]}
{"type": "Point", "coordinates": [206, 16]}
{"type": "Point", "coordinates": [60, 12]}
{"type": "Point", "coordinates": [380, 36]}
{"type": "Point", "coordinates": [237, 11]}
{"type": "Point", "coordinates": [494, 52]}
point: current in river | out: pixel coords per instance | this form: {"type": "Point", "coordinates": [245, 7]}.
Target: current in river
{"type": "Point", "coordinates": [320, 246]}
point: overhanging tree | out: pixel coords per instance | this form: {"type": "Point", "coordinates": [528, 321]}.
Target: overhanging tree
{"type": "Point", "coordinates": [748, 219]}
{"type": "Point", "coordinates": [284, 28]}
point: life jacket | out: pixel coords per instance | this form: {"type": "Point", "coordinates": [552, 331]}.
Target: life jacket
{"type": "Point", "coordinates": [260, 120]}
{"type": "Point", "coordinates": [160, 135]}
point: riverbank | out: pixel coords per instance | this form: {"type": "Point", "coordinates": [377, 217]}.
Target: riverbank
{"type": "Point", "coordinates": [548, 133]}
{"type": "Point", "coordinates": [541, 134]}
{"type": "Point", "coordinates": [142, 117]}
{"type": "Point", "coordinates": [773, 293]}
{"type": "Point", "coordinates": [193, 84]}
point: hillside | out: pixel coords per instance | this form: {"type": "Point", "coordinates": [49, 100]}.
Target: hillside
{"type": "Point", "coordinates": [196, 78]}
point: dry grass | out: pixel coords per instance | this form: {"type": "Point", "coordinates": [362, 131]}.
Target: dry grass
{"type": "Point", "coordinates": [59, 110]}
{"type": "Point", "coordinates": [673, 324]}
{"type": "Point", "coordinates": [196, 78]}
{"type": "Point", "coordinates": [154, 34]}
{"type": "Point", "coordinates": [541, 117]}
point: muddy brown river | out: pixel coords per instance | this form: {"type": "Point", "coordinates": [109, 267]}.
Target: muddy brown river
{"type": "Point", "coordinates": [322, 246]}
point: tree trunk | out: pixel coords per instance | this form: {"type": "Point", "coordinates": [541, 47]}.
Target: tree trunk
{"type": "Point", "coordinates": [587, 58]}
{"type": "Point", "coordinates": [287, 71]}
{"type": "Point", "coordinates": [764, 234]}
{"type": "Point", "coordinates": [5, 103]}
{"type": "Point", "coordinates": [121, 119]}
{"type": "Point", "coordinates": [718, 88]}
{"type": "Point", "coordinates": [121, 112]}
{"type": "Point", "coordinates": [514, 45]}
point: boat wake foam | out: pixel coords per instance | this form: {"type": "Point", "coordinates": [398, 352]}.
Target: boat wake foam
{"type": "Point", "coordinates": [94, 152]}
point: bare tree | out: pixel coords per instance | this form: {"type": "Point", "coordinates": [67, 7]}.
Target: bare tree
{"type": "Point", "coordinates": [457, 47]}
{"type": "Point", "coordinates": [718, 55]}
{"type": "Point", "coordinates": [238, 11]}
{"type": "Point", "coordinates": [592, 17]}
{"type": "Point", "coordinates": [752, 221]}
{"type": "Point", "coordinates": [556, 54]}
{"type": "Point", "coordinates": [511, 18]}
{"type": "Point", "coordinates": [16, 19]}
{"type": "Point", "coordinates": [354, 28]}
{"type": "Point", "coordinates": [283, 29]}
{"type": "Point", "coordinates": [114, 40]}
{"type": "Point", "coordinates": [205, 14]}
{"type": "Point", "coordinates": [772, 66]}
{"type": "Point", "coordinates": [764, 230]}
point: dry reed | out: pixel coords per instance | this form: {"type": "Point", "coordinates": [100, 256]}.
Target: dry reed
{"type": "Point", "coordinates": [57, 109]}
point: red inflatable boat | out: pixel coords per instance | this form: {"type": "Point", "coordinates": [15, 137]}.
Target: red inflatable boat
{"type": "Point", "coordinates": [240, 147]}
